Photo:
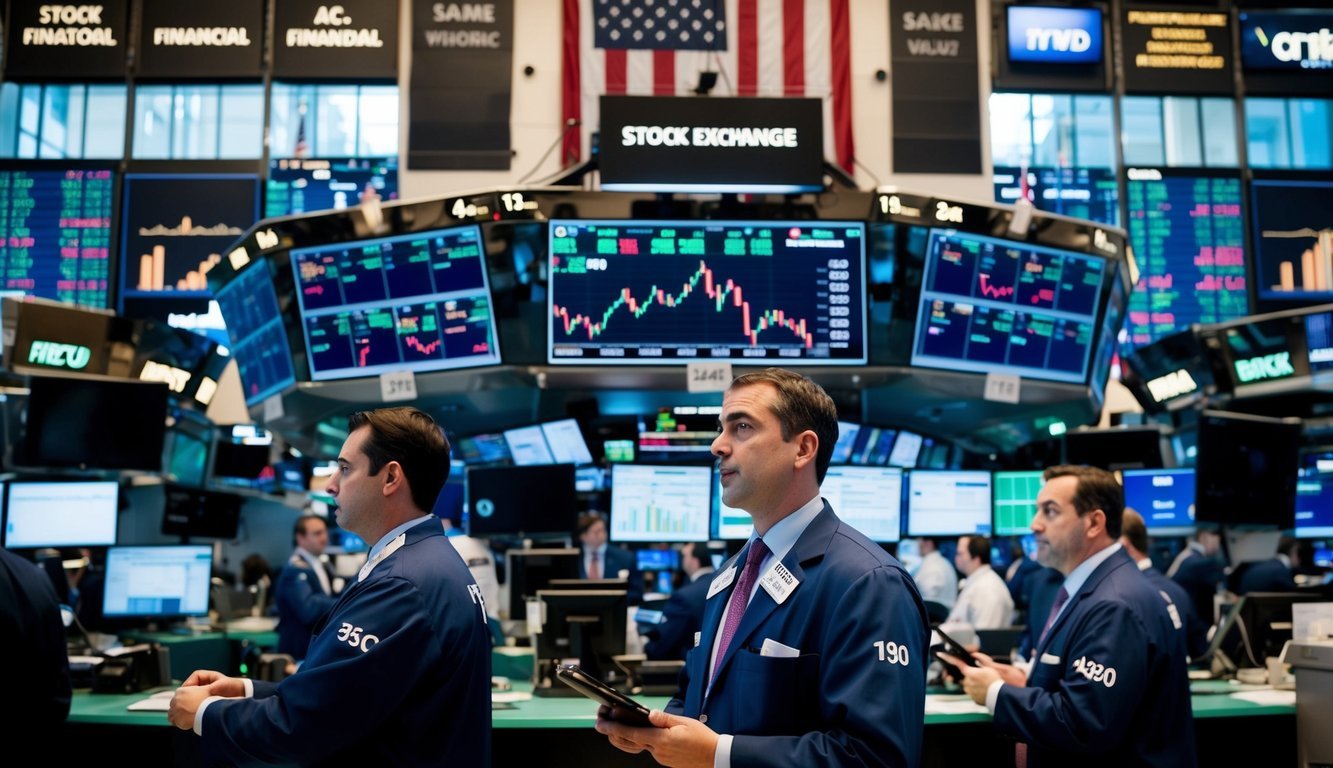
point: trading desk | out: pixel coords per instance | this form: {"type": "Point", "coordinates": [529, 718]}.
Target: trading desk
{"type": "Point", "coordinates": [559, 731]}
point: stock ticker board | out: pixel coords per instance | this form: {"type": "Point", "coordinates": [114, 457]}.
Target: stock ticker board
{"type": "Point", "coordinates": [55, 233]}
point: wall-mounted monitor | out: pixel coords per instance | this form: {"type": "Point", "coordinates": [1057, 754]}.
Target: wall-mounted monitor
{"type": "Point", "coordinates": [489, 448]}
{"type": "Point", "coordinates": [162, 582]}
{"type": "Point", "coordinates": [55, 234]}
{"type": "Point", "coordinates": [1286, 41]}
{"type": "Point", "coordinates": [1112, 448]}
{"type": "Point", "coordinates": [680, 434]}
{"type": "Point", "coordinates": [1262, 351]}
{"type": "Point", "coordinates": [94, 424]}
{"type": "Point", "coordinates": [64, 513]}
{"type": "Point", "coordinates": [948, 503]}
{"type": "Point", "coordinates": [1085, 193]}
{"type": "Point", "coordinates": [671, 292]}
{"type": "Point", "coordinates": [1319, 341]}
{"type": "Point", "coordinates": [301, 185]}
{"type": "Point", "coordinates": [1246, 469]}
{"type": "Point", "coordinates": [1056, 36]}
{"type": "Point", "coordinates": [1164, 497]}
{"type": "Point", "coordinates": [842, 449]}
{"type": "Point", "coordinates": [195, 513]}
{"type": "Point", "coordinates": [527, 446]}
{"type": "Point", "coordinates": [998, 306]}
{"type": "Point", "coordinates": [1015, 501]}
{"type": "Point", "coordinates": [1314, 497]}
{"type": "Point", "coordinates": [508, 501]}
{"type": "Point", "coordinates": [868, 499]}
{"type": "Point", "coordinates": [418, 302]}
{"type": "Point", "coordinates": [258, 338]}
{"type": "Point", "coordinates": [906, 450]}
{"type": "Point", "coordinates": [660, 503]}
{"type": "Point", "coordinates": [565, 439]}
{"type": "Point", "coordinates": [1293, 240]}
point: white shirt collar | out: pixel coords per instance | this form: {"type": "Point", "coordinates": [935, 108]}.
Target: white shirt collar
{"type": "Point", "coordinates": [1075, 580]}
{"type": "Point", "coordinates": [393, 534]}
{"type": "Point", "coordinates": [782, 535]}
{"type": "Point", "coordinates": [1144, 564]}
{"type": "Point", "coordinates": [1286, 561]}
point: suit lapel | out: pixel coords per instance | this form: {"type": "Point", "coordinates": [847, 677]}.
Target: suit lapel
{"type": "Point", "coordinates": [1098, 574]}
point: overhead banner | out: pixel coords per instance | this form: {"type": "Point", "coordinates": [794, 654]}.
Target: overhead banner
{"type": "Point", "coordinates": [201, 40]}
{"type": "Point", "coordinates": [66, 42]}
{"type": "Point", "coordinates": [462, 75]}
{"type": "Point", "coordinates": [1177, 50]}
{"type": "Point", "coordinates": [711, 144]}
{"type": "Point", "coordinates": [936, 96]}
{"type": "Point", "coordinates": [1287, 52]}
{"type": "Point", "coordinates": [356, 39]}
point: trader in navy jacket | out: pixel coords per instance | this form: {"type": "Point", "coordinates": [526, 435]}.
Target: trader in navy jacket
{"type": "Point", "coordinates": [683, 614]}
{"type": "Point", "coordinates": [826, 663]}
{"type": "Point", "coordinates": [305, 590]}
{"type": "Point", "coordinates": [399, 671]}
{"type": "Point", "coordinates": [1108, 686]}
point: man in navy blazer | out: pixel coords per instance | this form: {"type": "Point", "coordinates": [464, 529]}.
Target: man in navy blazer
{"type": "Point", "coordinates": [683, 614]}
{"type": "Point", "coordinates": [824, 662]}
{"type": "Point", "coordinates": [599, 560]}
{"type": "Point", "coordinates": [1274, 574]}
{"type": "Point", "coordinates": [1109, 685]}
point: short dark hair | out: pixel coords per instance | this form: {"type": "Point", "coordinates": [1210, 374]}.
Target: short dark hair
{"type": "Point", "coordinates": [978, 547]}
{"type": "Point", "coordinates": [588, 520]}
{"type": "Point", "coordinates": [298, 529]}
{"type": "Point", "coordinates": [1134, 529]}
{"type": "Point", "coordinates": [802, 404]}
{"type": "Point", "coordinates": [410, 437]}
{"type": "Point", "coordinates": [1097, 489]}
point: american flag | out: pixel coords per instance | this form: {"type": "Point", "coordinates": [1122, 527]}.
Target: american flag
{"type": "Point", "coordinates": [302, 148]}
{"type": "Point", "coordinates": [659, 47]}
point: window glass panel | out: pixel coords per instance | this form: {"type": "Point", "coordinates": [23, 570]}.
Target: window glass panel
{"type": "Point", "coordinates": [378, 126]}
{"type": "Point", "coordinates": [1310, 126]}
{"type": "Point", "coordinates": [9, 126]}
{"type": "Point", "coordinates": [152, 122]}
{"type": "Point", "coordinates": [196, 122]}
{"type": "Point", "coordinates": [1010, 129]}
{"type": "Point", "coordinates": [1266, 133]}
{"type": "Point", "coordinates": [1094, 140]}
{"type": "Point", "coordinates": [242, 121]}
{"type": "Point", "coordinates": [1181, 120]}
{"type": "Point", "coordinates": [335, 114]}
{"type": "Point", "coordinates": [1050, 130]}
{"type": "Point", "coordinates": [104, 136]}
{"type": "Point", "coordinates": [1220, 145]}
{"type": "Point", "coordinates": [1141, 130]}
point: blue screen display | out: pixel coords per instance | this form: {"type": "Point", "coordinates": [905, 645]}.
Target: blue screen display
{"type": "Point", "coordinates": [1165, 497]}
{"type": "Point", "coordinates": [1285, 40]}
{"type": "Point", "coordinates": [1040, 35]}
{"type": "Point", "coordinates": [1314, 497]}
{"type": "Point", "coordinates": [257, 336]}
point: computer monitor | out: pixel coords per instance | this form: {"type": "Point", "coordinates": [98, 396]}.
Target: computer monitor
{"type": "Point", "coordinates": [1164, 497]}
{"type": "Point", "coordinates": [241, 453]}
{"type": "Point", "coordinates": [301, 185]}
{"type": "Point", "coordinates": [527, 571]}
{"type": "Point", "coordinates": [873, 446]}
{"type": "Point", "coordinates": [842, 449]}
{"type": "Point", "coordinates": [489, 448]}
{"type": "Point", "coordinates": [906, 450]}
{"type": "Point", "coordinates": [194, 513]}
{"type": "Point", "coordinates": [584, 624]}
{"type": "Point", "coordinates": [1113, 448]}
{"type": "Point", "coordinates": [257, 335]}
{"type": "Point", "coordinates": [868, 499]}
{"type": "Point", "coordinates": [1314, 497]}
{"type": "Point", "coordinates": [527, 446]}
{"type": "Point", "coordinates": [1015, 497]}
{"type": "Point", "coordinates": [509, 501]}
{"type": "Point", "coordinates": [73, 513]}
{"type": "Point", "coordinates": [1256, 627]}
{"type": "Point", "coordinates": [948, 503]}
{"type": "Point", "coordinates": [1246, 469]}
{"type": "Point", "coordinates": [160, 582]}
{"type": "Point", "coordinates": [679, 434]}
{"type": "Point", "coordinates": [664, 292]}
{"type": "Point", "coordinates": [657, 559]}
{"type": "Point", "coordinates": [729, 524]}
{"type": "Point", "coordinates": [565, 439]}
{"type": "Point", "coordinates": [660, 502]}
{"type": "Point", "coordinates": [94, 424]}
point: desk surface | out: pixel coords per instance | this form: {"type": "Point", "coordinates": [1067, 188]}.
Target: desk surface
{"type": "Point", "coordinates": [578, 712]}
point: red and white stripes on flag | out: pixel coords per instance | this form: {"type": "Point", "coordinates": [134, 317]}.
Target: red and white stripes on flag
{"type": "Point", "coordinates": [773, 48]}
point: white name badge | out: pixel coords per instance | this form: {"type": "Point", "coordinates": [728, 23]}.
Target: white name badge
{"type": "Point", "coordinates": [722, 582]}
{"type": "Point", "coordinates": [779, 583]}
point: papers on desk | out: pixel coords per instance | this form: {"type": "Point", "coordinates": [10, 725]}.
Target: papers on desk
{"type": "Point", "coordinates": [508, 697]}
{"type": "Point", "coordinates": [158, 702]}
{"type": "Point", "coordinates": [954, 705]}
{"type": "Point", "coordinates": [1268, 698]}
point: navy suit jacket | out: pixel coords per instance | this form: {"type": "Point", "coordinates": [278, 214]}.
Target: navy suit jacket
{"type": "Point", "coordinates": [1271, 575]}
{"type": "Point", "coordinates": [1200, 575]}
{"type": "Point", "coordinates": [301, 602]}
{"type": "Point", "coordinates": [618, 560]}
{"type": "Point", "coordinates": [399, 673]}
{"type": "Point", "coordinates": [1195, 628]}
{"type": "Point", "coordinates": [1018, 585]}
{"type": "Point", "coordinates": [853, 693]}
{"type": "Point", "coordinates": [34, 636]}
{"type": "Point", "coordinates": [682, 616]}
{"type": "Point", "coordinates": [1109, 686]}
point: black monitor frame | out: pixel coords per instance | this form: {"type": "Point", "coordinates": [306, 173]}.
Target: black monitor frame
{"type": "Point", "coordinates": [587, 624]}
{"type": "Point", "coordinates": [529, 571]}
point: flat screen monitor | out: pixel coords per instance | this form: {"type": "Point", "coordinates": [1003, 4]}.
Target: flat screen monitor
{"type": "Point", "coordinates": [1084, 193]}
{"type": "Point", "coordinates": [61, 513]}
{"type": "Point", "coordinates": [998, 306]}
{"type": "Point", "coordinates": [508, 501]}
{"type": "Point", "coordinates": [945, 503]}
{"type": "Point", "coordinates": [1293, 240]}
{"type": "Point", "coordinates": [1286, 42]}
{"type": "Point", "coordinates": [95, 423]}
{"type": "Point", "coordinates": [1246, 469]}
{"type": "Point", "coordinates": [528, 446]}
{"type": "Point", "coordinates": [242, 452]}
{"type": "Point", "coordinates": [1314, 497]}
{"type": "Point", "coordinates": [1164, 497]}
{"type": "Point", "coordinates": [584, 624]}
{"type": "Point", "coordinates": [176, 228]}
{"type": "Point", "coordinates": [679, 434]}
{"type": "Point", "coordinates": [490, 448]}
{"type": "Point", "coordinates": [1054, 36]}
{"type": "Point", "coordinates": [906, 450]}
{"type": "Point", "coordinates": [158, 582]}
{"type": "Point", "coordinates": [565, 439]}
{"type": "Point", "coordinates": [257, 335]}
{"type": "Point", "coordinates": [666, 292]}
{"type": "Point", "coordinates": [531, 570]}
{"type": "Point", "coordinates": [1256, 627]}
{"type": "Point", "coordinates": [1264, 351]}
{"type": "Point", "coordinates": [871, 446]}
{"type": "Point", "coordinates": [842, 450]}
{"type": "Point", "coordinates": [55, 236]}
{"type": "Point", "coordinates": [418, 302]}
{"type": "Point", "coordinates": [1015, 500]}
{"type": "Point", "coordinates": [1114, 448]}
{"type": "Point", "coordinates": [187, 457]}
{"type": "Point", "coordinates": [729, 523]}
{"type": "Point", "coordinates": [1192, 267]}
{"type": "Point", "coordinates": [195, 513]}
{"type": "Point", "coordinates": [657, 559]}
{"type": "Point", "coordinates": [868, 499]}
{"type": "Point", "coordinates": [1319, 341]}
{"type": "Point", "coordinates": [660, 502]}
{"type": "Point", "coordinates": [301, 185]}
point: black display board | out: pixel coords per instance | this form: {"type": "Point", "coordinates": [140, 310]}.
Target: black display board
{"type": "Point", "coordinates": [356, 39]}
{"type": "Point", "coordinates": [462, 75]}
{"type": "Point", "coordinates": [201, 40]}
{"type": "Point", "coordinates": [936, 96]}
{"type": "Point", "coordinates": [1288, 52]}
{"type": "Point", "coordinates": [711, 144]}
{"type": "Point", "coordinates": [1171, 49]}
{"type": "Point", "coordinates": [1042, 47]}
{"type": "Point", "coordinates": [66, 42]}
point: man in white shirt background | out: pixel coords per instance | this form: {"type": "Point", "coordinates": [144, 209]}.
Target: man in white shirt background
{"type": "Point", "coordinates": [984, 602]}
{"type": "Point", "coordinates": [935, 578]}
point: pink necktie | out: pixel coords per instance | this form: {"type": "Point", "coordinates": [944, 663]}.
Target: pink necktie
{"type": "Point", "coordinates": [740, 598]}
{"type": "Point", "coordinates": [1060, 599]}
{"type": "Point", "coordinates": [595, 566]}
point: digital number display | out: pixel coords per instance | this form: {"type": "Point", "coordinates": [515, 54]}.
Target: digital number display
{"type": "Point", "coordinates": [55, 233]}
